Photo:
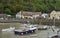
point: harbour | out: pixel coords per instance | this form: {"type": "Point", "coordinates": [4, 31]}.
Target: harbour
{"type": "Point", "coordinates": [38, 34]}
{"type": "Point", "coordinates": [29, 19]}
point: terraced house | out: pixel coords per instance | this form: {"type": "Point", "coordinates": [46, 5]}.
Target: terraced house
{"type": "Point", "coordinates": [55, 14]}
{"type": "Point", "coordinates": [28, 15]}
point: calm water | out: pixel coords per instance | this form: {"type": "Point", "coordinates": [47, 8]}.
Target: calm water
{"type": "Point", "coordinates": [11, 34]}
{"type": "Point", "coordinates": [38, 34]}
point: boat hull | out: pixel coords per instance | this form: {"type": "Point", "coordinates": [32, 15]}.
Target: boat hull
{"type": "Point", "coordinates": [24, 32]}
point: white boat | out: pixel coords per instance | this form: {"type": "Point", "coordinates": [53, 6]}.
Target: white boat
{"type": "Point", "coordinates": [28, 29]}
{"type": "Point", "coordinates": [53, 36]}
{"type": "Point", "coordinates": [42, 27]}
{"type": "Point", "coordinates": [8, 29]}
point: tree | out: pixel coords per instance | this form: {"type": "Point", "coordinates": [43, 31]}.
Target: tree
{"type": "Point", "coordinates": [7, 11]}
{"type": "Point", "coordinates": [14, 6]}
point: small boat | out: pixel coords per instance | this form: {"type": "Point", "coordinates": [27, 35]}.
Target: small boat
{"type": "Point", "coordinates": [27, 30]}
{"type": "Point", "coordinates": [43, 28]}
{"type": "Point", "coordinates": [8, 29]}
{"type": "Point", "coordinates": [53, 36]}
{"type": "Point", "coordinates": [54, 33]}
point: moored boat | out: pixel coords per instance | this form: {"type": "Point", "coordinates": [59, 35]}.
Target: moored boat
{"type": "Point", "coordinates": [8, 29]}
{"type": "Point", "coordinates": [27, 30]}
{"type": "Point", "coordinates": [42, 28]}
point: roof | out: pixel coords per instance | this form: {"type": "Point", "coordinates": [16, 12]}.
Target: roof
{"type": "Point", "coordinates": [26, 14]}
{"type": "Point", "coordinates": [29, 12]}
{"type": "Point", "coordinates": [4, 15]}
{"type": "Point", "coordinates": [58, 12]}
{"type": "Point", "coordinates": [44, 14]}
{"type": "Point", "coordinates": [54, 12]}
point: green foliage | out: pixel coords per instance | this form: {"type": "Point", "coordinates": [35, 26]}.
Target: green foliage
{"type": "Point", "coordinates": [7, 11]}
{"type": "Point", "coordinates": [14, 6]}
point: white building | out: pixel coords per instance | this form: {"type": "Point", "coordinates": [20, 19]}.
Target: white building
{"type": "Point", "coordinates": [55, 14]}
{"type": "Point", "coordinates": [18, 15]}
{"type": "Point", "coordinates": [24, 14]}
{"type": "Point", "coordinates": [28, 15]}
{"type": "Point", "coordinates": [5, 16]}
{"type": "Point", "coordinates": [45, 15]}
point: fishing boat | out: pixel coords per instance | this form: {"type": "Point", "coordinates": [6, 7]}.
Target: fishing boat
{"type": "Point", "coordinates": [42, 27]}
{"type": "Point", "coordinates": [28, 29]}
{"type": "Point", "coordinates": [8, 29]}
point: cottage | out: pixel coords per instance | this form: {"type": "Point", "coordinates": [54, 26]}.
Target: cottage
{"type": "Point", "coordinates": [19, 15]}
{"type": "Point", "coordinates": [28, 15]}
{"type": "Point", "coordinates": [44, 15]}
{"type": "Point", "coordinates": [55, 14]}
{"type": "Point", "coordinates": [36, 14]}
{"type": "Point", "coordinates": [5, 16]}
{"type": "Point", "coordinates": [24, 14]}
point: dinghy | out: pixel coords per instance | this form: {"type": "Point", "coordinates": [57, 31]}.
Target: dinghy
{"type": "Point", "coordinates": [8, 29]}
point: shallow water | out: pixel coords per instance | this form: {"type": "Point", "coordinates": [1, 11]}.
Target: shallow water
{"type": "Point", "coordinates": [38, 34]}
{"type": "Point", "coordinates": [11, 34]}
{"type": "Point", "coordinates": [35, 35]}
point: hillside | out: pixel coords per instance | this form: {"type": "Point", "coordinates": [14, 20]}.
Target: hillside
{"type": "Point", "coordinates": [14, 6]}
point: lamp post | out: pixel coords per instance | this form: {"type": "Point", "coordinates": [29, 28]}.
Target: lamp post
{"type": "Point", "coordinates": [54, 20]}
{"type": "Point", "coordinates": [53, 24]}
{"type": "Point", "coordinates": [53, 28]}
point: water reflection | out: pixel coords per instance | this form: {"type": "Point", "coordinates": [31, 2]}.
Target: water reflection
{"type": "Point", "coordinates": [7, 35]}
{"type": "Point", "coordinates": [39, 34]}
{"type": "Point", "coordinates": [12, 35]}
